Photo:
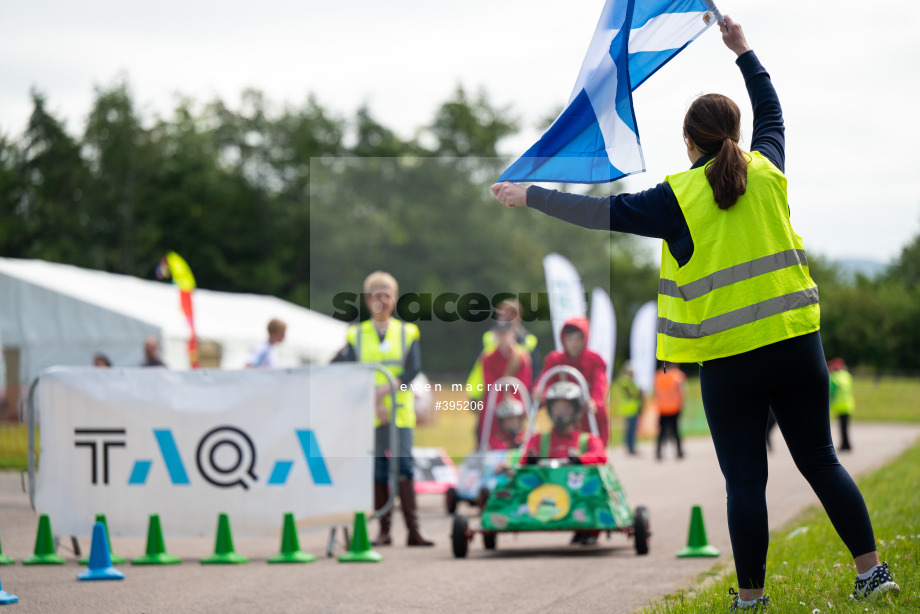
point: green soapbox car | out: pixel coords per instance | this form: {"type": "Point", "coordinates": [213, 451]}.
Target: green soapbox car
{"type": "Point", "coordinates": [553, 495]}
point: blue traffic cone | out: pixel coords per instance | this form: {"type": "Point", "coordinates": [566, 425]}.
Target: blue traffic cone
{"type": "Point", "coordinates": [6, 598]}
{"type": "Point", "coordinates": [100, 560]}
{"type": "Point", "coordinates": [116, 560]}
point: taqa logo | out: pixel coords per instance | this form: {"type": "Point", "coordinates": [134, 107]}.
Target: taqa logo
{"type": "Point", "coordinates": [225, 457]}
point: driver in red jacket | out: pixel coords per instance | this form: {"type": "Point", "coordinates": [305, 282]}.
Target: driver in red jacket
{"type": "Point", "coordinates": [574, 336]}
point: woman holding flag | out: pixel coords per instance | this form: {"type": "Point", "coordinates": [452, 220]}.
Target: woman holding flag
{"type": "Point", "coordinates": [735, 296]}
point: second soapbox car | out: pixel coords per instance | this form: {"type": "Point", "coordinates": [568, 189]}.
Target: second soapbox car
{"type": "Point", "coordinates": [479, 471]}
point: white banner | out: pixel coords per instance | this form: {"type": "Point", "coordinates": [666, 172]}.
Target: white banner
{"type": "Point", "coordinates": [603, 339]}
{"type": "Point", "coordinates": [566, 293]}
{"type": "Point", "coordinates": [189, 445]}
{"type": "Point", "coordinates": [643, 340]}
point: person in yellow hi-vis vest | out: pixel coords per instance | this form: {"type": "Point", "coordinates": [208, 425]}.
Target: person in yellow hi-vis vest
{"type": "Point", "coordinates": [842, 400]}
{"type": "Point", "coordinates": [394, 344]}
{"type": "Point", "coordinates": [735, 295]}
{"type": "Point", "coordinates": [627, 398]}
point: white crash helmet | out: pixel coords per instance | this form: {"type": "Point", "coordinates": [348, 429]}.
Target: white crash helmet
{"type": "Point", "coordinates": [510, 408]}
{"type": "Point", "coordinates": [564, 391]}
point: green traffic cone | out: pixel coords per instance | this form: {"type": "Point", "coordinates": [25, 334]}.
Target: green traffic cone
{"type": "Point", "coordinates": [696, 540]}
{"type": "Point", "coordinates": [116, 560]}
{"type": "Point", "coordinates": [5, 560]}
{"type": "Point", "coordinates": [290, 545]}
{"type": "Point", "coordinates": [156, 548]}
{"type": "Point", "coordinates": [223, 547]}
{"type": "Point", "coordinates": [360, 549]}
{"type": "Point", "coordinates": [44, 545]}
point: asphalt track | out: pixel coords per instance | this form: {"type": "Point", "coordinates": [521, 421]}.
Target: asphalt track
{"type": "Point", "coordinates": [531, 573]}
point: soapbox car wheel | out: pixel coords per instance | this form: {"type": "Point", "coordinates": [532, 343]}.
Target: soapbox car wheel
{"type": "Point", "coordinates": [459, 537]}
{"type": "Point", "coordinates": [450, 500]}
{"type": "Point", "coordinates": [641, 530]}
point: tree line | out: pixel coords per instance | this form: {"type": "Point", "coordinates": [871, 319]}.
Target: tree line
{"type": "Point", "coordinates": [300, 202]}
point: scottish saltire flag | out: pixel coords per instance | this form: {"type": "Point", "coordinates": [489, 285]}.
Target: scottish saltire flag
{"type": "Point", "coordinates": [595, 139]}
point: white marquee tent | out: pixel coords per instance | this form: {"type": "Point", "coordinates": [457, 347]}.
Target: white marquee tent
{"type": "Point", "coordinates": [55, 314]}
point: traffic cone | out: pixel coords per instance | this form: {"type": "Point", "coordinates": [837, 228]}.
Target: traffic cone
{"type": "Point", "coordinates": [100, 559]}
{"type": "Point", "coordinates": [290, 545]}
{"type": "Point", "coordinates": [223, 546]}
{"type": "Point", "coordinates": [156, 549]}
{"type": "Point", "coordinates": [5, 560]}
{"type": "Point", "coordinates": [116, 560]}
{"type": "Point", "coordinates": [696, 540]}
{"type": "Point", "coordinates": [44, 545]}
{"type": "Point", "coordinates": [6, 598]}
{"type": "Point", "coordinates": [360, 549]}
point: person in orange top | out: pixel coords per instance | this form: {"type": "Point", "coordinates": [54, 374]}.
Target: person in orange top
{"type": "Point", "coordinates": [669, 397]}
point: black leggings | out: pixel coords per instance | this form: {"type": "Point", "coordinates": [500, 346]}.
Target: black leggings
{"type": "Point", "coordinates": [668, 429]}
{"type": "Point", "coordinates": [738, 392]}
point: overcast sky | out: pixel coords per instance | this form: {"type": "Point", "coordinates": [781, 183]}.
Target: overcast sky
{"type": "Point", "coordinates": [846, 72]}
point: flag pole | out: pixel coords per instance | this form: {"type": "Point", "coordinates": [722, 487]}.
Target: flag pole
{"type": "Point", "coordinates": [714, 10]}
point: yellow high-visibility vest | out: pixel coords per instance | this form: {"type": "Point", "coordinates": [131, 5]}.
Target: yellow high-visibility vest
{"type": "Point", "coordinates": [843, 402]}
{"type": "Point", "coordinates": [625, 396]}
{"type": "Point", "coordinates": [747, 283]}
{"type": "Point", "coordinates": [391, 353]}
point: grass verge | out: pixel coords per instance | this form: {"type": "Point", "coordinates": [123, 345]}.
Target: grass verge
{"type": "Point", "coordinates": [808, 568]}
{"type": "Point", "coordinates": [14, 445]}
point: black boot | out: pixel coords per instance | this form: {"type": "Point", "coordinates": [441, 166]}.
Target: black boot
{"type": "Point", "coordinates": [410, 513]}
{"type": "Point", "coordinates": [381, 495]}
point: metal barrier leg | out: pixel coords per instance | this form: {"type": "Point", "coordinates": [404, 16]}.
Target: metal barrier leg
{"type": "Point", "coordinates": [330, 545]}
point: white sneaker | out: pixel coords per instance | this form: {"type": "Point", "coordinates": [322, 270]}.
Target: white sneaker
{"type": "Point", "coordinates": [877, 584]}
{"type": "Point", "coordinates": [757, 605]}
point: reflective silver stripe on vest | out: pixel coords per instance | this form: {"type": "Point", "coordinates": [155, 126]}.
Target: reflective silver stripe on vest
{"type": "Point", "coordinates": [733, 274]}
{"type": "Point", "coordinates": [739, 317]}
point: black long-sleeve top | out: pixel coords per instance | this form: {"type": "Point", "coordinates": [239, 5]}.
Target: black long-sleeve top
{"type": "Point", "coordinates": [655, 212]}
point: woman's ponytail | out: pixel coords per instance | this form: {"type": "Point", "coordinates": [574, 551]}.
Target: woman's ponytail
{"type": "Point", "coordinates": [713, 123]}
{"type": "Point", "coordinates": [727, 174]}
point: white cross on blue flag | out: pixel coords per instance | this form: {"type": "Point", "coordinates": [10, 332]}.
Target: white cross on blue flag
{"type": "Point", "coordinates": [595, 139]}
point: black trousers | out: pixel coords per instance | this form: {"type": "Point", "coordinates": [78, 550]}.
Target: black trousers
{"type": "Point", "coordinates": [845, 432]}
{"type": "Point", "coordinates": [738, 392]}
{"type": "Point", "coordinates": [667, 429]}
